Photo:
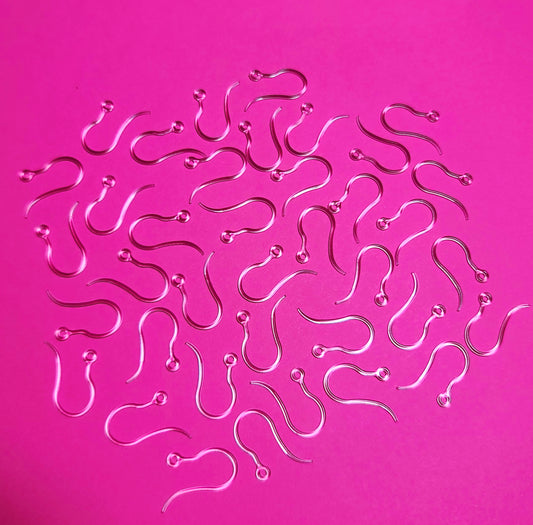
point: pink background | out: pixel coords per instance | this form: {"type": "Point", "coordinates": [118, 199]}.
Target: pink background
{"type": "Point", "coordinates": [469, 464]}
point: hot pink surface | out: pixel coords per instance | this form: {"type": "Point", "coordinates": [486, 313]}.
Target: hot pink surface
{"type": "Point", "coordinates": [469, 464]}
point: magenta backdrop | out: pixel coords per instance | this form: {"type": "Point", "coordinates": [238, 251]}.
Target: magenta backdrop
{"type": "Point", "coordinates": [471, 463]}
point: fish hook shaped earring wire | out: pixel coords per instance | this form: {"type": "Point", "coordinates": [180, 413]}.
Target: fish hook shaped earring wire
{"type": "Point", "coordinates": [43, 232]}
{"type": "Point", "coordinates": [437, 312]}
{"type": "Point", "coordinates": [89, 356]}
{"type": "Point", "coordinates": [199, 95]}
{"type": "Point", "coordinates": [381, 298]}
{"type": "Point", "coordinates": [230, 360]}
{"type": "Point", "coordinates": [335, 205]}
{"type": "Point", "coordinates": [193, 162]}
{"type": "Point", "coordinates": [174, 460]}
{"type": "Point", "coordinates": [381, 374]}
{"type": "Point", "coordinates": [297, 375]}
{"type": "Point", "coordinates": [262, 472]}
{"type": "Point", "coordinates": [177, 128]}
{"type": "Point", "coordinates": [275, 252]}
{"type": "Point", "coordinates": [182, 217]}
{"type": "Point", "coordinates": [278, 175]}
{"type": "Point", "coordinates": [108, 182]}
{"type": "Point", "coordinates": [125, 255]}
{"type": "Point", "coordinates": [255, 76]}
{"type": "Point", "coordinates": [172, 364]}
{"type": "Point", "coordinates": [63, 333]}
{"type": "Point", "coordinates": [306, 109]}
{"type": "Point", "coordinates": [444, 399]}
{"type": "Point", "coordinates": [160, 398]}
{"type": "Point", "coordinates": [485, 299]}
{"type": "Point", "coordinates": [356, 154]}
{"type": "Point", "coordinates": [465, 179]}
{"type": "Point", "coordinates": [245, 128]}
{"type": "Point", "coordinates": [228, 236]}
{"type": "Point", "coordinates": [320, 350]}
{"type": "Point", "coordinates": [302, 256]}
{"type": "Point", "coordinates": [243, 318]}
{"type": "Point", "coordinates": [481, 275]}
{"type": "Point", "coordinates": [107, 107]}
{"type": "Point", "coordinates": [178, 280]}
{"type": "Point", "coordinates": [432, 116]}
{"type": "Point", "coordinates": [29, 175]}
{"type": "Point", "coordinates": [383, 224]}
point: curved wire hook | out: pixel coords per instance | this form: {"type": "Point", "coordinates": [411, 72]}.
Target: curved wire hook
{"type": "Point", "coordinates": [182, 217]}
{"type": "Point", "coordinates": [228, 236]}
{"type": "Point", "coordinates": [432, 116]}
{"type": "Point", "coordinates": [297, 375]}
{"type": "Point", "coordinates": [381, 298]}
{"type": "Point", "coordinates": [178, 280]}
{"type": "Point", "coordinates": [125, 255]}
{"type": "Point", "coordinates": [63, 333]}
{"type": "Point", "coordinates": [160, 398]}
{"type": "Point", "coordinates": [43, 231]}
{"type": "Point", "coordinates": [465, 179]}
{"type": "Point", "coordinates": [320, 350]}
{"type": "Point", "coordinates": [245, 127]}
{"type": "Point", "coordinates": [275, 252]}
{"type": "Point", "coordinates": [444, 399]}
{"type": "Point", "coordinates": [335, 206]}
{"type": "Point", "coordinates": [199, 95]}
{"type": "Point", "coordinates": [381, 374]}
{"type": "Point", "coordinates": [255, 76]}
{"type": "Point", "coordinates": [302, 256]}
{"type": "Point", "coordinates": [172, 364]}
{"type": "Point", "coordinates": [383, 223]}
{"type": "Point", "coordinates": [109, 182]}
{"type": "Point", "coordinates": [174, 460]}
{"type": "Point", "coordinates": [230, 360]}
{"type": "Point", "coordinates": [243, 317]}
{"type": "Point", "coordinates": [192, 162]}
{"type": "Point", "coordinates": [262, 472]}
{"type": "Point", "coordinates": [437, 312]}
{"type": "Point", "coordinates": [278, 175]}
{"type": "Point", "coordinates": [481, 275]}
{"type": "Point", "coordinates": [356, 154]}
{"type": "Point", "coordinates": [89, 356]}
{"type": "Point", "coordinates": [176, 127]}
{"type": "Point", "coordinates": [106, 107]}
{"type": "Point", "coordinates": [485, 299]}
{"type": "Point", "coordinates": [306, 109]}
{"type": "Point", "coordinates": [29, 175]}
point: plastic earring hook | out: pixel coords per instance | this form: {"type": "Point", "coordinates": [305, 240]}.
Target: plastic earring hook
{"type": "Point", "coordinates": [432, 116]}
{"type": "Point", "coordinates": [357, 155]}
{"type": "Point", "coordinates": [381, 374]}
{"type": "Point", "coordinates": [335, 205]}
{"type": "Point", "coordinates": [107, 107]}
{"type": "Point", "coordinates": [437, 312]}
{"type": "Point", "coordinates": [444, 399]}
{"type": "Point", "coordinates": [381, 298]}
{"type": "Point", "coordinates": [465, 179]}
{"type": "Point", "coordinates": [174, 460]}
{"type": "Point", "coordinates": [481, 275]}
{"type": "Point", "coordinates": [320, 350]}
{"type": "Point", "coordinates": [276, 251]}
{"type": "Point", "coordinates": [199, 95]}
{"type": "Point", "coordinates": [29, 175]}
{"type": "Point", "coordinates": [485, 299]}
{"type": "Point", "coordinates": [89, 356]}
{"type": "Point", "coordinates": [262, 472]}
{"type": "Point", "coordinates": [306, 109]}
{"type": "Point", "coordinates": [256, 75]}
{"type": "Point", "coordinates": [43, 232]}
